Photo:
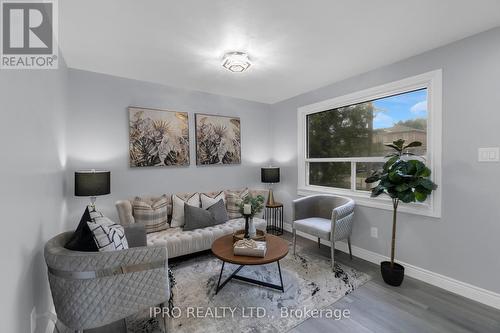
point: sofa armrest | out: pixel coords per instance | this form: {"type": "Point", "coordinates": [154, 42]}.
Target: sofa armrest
{"type": "Point", "coordinates": [125, 212]}
{"type": "Point", "coordinates": [342, 218]}
{"type": "Point", "coordinates": [136, 235]}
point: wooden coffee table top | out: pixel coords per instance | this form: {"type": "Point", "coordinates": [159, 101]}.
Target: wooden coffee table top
{"type": "Point", "coordinates": [277, 248]}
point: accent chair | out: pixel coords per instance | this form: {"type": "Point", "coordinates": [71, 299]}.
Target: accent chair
{"type": "Point", "coordinates": [327, 217]}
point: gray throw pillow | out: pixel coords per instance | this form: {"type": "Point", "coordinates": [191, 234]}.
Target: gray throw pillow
{"type": "Point", "coordinates": [219, 212]}
{"type": "Point", "coordinates": [197, 218]}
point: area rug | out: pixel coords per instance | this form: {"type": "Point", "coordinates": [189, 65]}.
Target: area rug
{"type": "Point", "coordinates": [308, 280]}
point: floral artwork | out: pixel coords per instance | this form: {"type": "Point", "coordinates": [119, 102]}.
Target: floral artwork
{"type": "Point", "coordinates": [158, 138]}
{"type": "Point", "coordinates": [218, 140]}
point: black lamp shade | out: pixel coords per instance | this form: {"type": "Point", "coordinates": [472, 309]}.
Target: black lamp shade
{"type": "Point", "coordinates": [92, 183]}
{"type": "Point", "coordinates": [270, 175]}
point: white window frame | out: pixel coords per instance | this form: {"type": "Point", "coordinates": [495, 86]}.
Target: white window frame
{"type": "Point", "coordinates": [432, 81]}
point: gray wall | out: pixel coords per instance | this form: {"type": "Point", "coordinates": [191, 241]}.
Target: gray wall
{"type": "Point", "coordinates": [464, 243]}
{"type": "Point", "coordinates": [98, 138]}
{"type": "Point", "coordinates": [33, 108]}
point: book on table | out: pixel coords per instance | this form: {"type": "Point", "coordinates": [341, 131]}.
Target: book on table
{"type": "Point", "coordinates": [249, 247]}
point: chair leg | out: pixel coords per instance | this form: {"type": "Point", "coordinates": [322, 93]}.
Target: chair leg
{"type": "Point", "coordinates": [319, 243]}
{"type": "Point", "coordinates": [165, 318]}
{"type": "Point", "coordinates": [294, 239]}
{"type": "Point", "coordinates": [332, 249]}
{"type": "Point", "coordinates": [349, 244]}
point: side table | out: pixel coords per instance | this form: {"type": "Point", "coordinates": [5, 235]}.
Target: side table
{"type": "Point", "coordinates": [274, 217]}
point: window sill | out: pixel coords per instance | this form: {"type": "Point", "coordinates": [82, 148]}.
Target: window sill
{"type": "Point", "coordinates": [364, 199]}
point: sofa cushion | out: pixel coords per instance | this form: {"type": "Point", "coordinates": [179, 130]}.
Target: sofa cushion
{"type": "Point", "coordinates": [316, 226]}
{"type": "Point", "coordinates": [179, 242]}
{"type": "Point", "coordinates": [152, 214]}
{"type": "Point", "coordinates": [178, 202]}
{"type": "Point", "coordinates": [233, 199]}
{"type": "Point", "coordinates": [208, 199]}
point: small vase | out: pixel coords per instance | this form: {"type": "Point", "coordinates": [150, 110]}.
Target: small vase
{"type": "Point", "coordinates": [252, 232]}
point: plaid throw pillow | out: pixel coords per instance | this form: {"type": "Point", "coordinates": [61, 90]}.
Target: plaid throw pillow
{"type": "Point", "coordinates": [154, 215]}
{"type": "Point", "coordinates": [233, 199]}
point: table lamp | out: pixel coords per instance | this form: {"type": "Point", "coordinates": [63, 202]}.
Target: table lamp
{"type": "Point", "coordinates": [92, 183]}
{"type": "Point", "coordinates": [270, 175]}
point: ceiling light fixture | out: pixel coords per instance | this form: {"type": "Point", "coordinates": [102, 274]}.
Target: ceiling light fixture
{"type": "Point", "coordinates": [236, 62]}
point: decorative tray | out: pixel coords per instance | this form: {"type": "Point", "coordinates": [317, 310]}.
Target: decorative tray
{"type": "Point", "coordinates": [239, 235]}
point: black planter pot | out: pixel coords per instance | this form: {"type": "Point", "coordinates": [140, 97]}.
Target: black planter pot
{"type": "Point", "coordinates": [392, 276]}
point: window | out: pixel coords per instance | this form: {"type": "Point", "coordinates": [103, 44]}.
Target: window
{"type": "Point", "coordinates": [342, 140]}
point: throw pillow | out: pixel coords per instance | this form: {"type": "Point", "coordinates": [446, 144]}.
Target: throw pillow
{"type": "Point", "coordinates": [178, 207]}
{"type": "Point", "coordinates": [233, 199]}
{"type": "Point", "coordinates": [108, 236]}
{"type": "Point", "coordinates": [82, 239]}
{"type": "Point", "coordinates": [208, 199]}
{"type": "Point", "coordinates": [219, 212]}
{"type": "Point", "coordinates": [154, 215]}
{"type": "Point", "coordinates": [196, 218]}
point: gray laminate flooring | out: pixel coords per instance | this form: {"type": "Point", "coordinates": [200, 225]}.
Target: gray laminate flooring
{"type": "Point", "coordinates": [415, 306]}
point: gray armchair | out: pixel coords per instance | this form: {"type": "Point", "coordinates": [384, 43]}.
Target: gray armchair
{"type": "Point", "coordinates": [93, 289]}
{"type": "Point", "coordinates": [327, 217]}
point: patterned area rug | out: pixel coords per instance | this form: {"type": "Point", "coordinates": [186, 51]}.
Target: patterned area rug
{"type": "Point", "coordinates": [308, 280]}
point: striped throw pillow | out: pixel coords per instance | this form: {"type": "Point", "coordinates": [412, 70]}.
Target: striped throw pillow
{"type": "Point", "coordinates": [154, 215]}
{"type": "Point", "coordinates": [233, 199]}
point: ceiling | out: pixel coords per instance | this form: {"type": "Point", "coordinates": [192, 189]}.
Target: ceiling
{"type": "Point", "coordinates": [296, 46]}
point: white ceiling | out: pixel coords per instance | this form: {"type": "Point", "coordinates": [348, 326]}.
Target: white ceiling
{"type": "Point", "coordinates": [296, 46]}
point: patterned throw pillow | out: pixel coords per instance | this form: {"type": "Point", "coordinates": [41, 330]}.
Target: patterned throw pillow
{"type": "Point", "coordinates": [233, 199]}
{"type": "Point", "coordinates": [154, 215]}
{"type": "Point", "coordinates": [108, 235]}
{"type": "Point", "coordinates": [178, 202]}
{"type": "Point", "coordinates": [209, 199]}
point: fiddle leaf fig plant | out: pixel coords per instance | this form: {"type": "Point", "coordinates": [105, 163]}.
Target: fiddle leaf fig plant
{"type": "Point", "coordinates": [403, 179]}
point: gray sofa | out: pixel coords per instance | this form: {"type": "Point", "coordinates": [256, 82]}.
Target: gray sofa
{"type": "Point", "coordinates": [179, 242]}
{"type": "Point", "coordinates": [93, 289]}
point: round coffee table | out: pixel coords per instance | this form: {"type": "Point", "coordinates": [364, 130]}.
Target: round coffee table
{"type": "Point", "coordinates": [222, 248]}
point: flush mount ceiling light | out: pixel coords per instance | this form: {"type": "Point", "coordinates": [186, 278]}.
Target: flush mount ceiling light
{"type": "Point", "coordinates": [236, 62]}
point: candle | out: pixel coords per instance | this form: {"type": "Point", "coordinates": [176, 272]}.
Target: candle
{"type": "Point", "coordinates": [247, 209]}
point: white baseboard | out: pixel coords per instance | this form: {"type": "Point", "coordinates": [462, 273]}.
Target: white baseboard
{"type": "Point", "coordinates": [464, 289]}
{"type": "Point", "coordinates": [51, 319]}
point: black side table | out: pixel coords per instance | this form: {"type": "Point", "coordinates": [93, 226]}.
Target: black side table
{"type": "Point", "coordinates": [274, 217]}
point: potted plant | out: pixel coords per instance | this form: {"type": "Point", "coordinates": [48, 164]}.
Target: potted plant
{"type": "Point", "coordinates": [404, 179]}
{"type": "Point", "coordinates": [257, 204]}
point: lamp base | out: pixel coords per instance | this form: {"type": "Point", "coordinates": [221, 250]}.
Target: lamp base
{"type": "Point", "coordinates": [270, 198]}
{"type": "Point", "coordinates": [92, 203]}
